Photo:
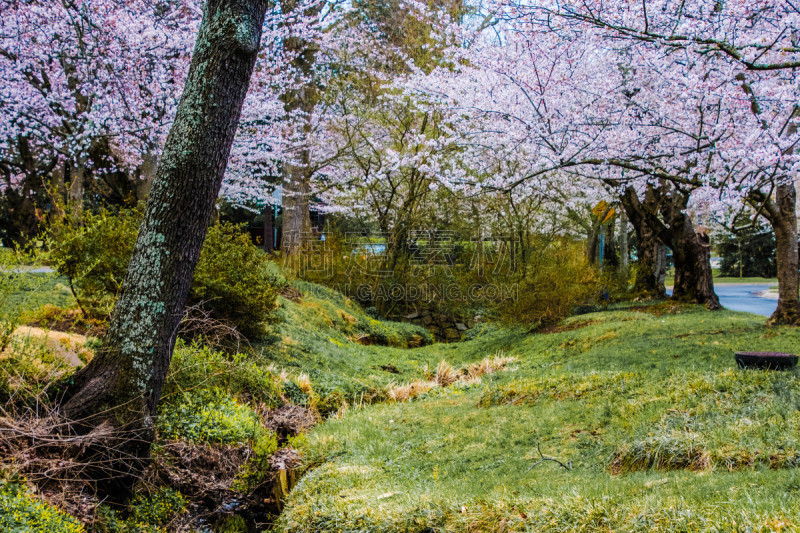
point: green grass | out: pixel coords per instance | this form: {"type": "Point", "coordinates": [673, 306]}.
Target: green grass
{"type": "Point", "coordinates": [318, 336]}
{"type": "Point", "coordinates": [662, 432]}
{"type": "Point", "coordinates": [660, 429]}
{"type": "Point", "coordinates": [721, 279]}
{"type": "Point", "coordinates": [38, 289]}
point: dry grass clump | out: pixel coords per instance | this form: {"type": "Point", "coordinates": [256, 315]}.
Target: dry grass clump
{"type": "Point", "coordinates": [403, 393]}
{"type": "Point", "coordinates": [489, 365]}
{"type": "Point", "coordinates": [304, 382]}
{"type": "Point", "coordinates": [446, 376]}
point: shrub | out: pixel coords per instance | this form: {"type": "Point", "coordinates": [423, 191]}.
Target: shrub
{"type": "Point", "coordinates": [148, 513]}
{"type": "Point", "coordinates": [558, 279]}
{"type": "Point", "coordinates": [93, 254]}
{"type": "Point", "coordinates": [23, 512]}
{"type": "Point", "coordinates": [234, 280]}
{"type": "Point", "coordinates": [210, 415]}
{"type": "Point", "coordinates": [159, 508]}
{"type": "Point", "coordinates": [28, 369]}
{"type": "Point", "coordinates": [257, 469]}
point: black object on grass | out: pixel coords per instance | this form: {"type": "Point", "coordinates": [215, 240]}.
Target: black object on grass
{"type": "Point", "coordinates": [769, 360]}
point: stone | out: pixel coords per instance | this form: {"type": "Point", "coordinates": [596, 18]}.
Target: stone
{"type": "Point", "coordinates": [451, 333]}
{"type": "Point", "coordinates": [427, 319]}
{"type": "Point", "coordinates": [460, 326]}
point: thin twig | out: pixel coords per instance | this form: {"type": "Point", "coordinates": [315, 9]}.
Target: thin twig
{"type": "Point", "coordinates": [567, 466]}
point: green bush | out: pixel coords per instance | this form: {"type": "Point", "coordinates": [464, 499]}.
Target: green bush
{"type": "Point", "coordinates": [210, 415]}
{"type": "Point", "coordinates": [558, 280]}
{"type": "Point", "coordinates": [236, 280]}
{"type": "Point", "coordinates": [93, 254]}
{"type": "Point", "coordinates": [148, 513]}
{"type": "Point", "coordinates": [23, 512]}
{"type": "Point", "coordinates": [233, 279]}
{"type": "Point", "coordinates": [257, 469]}
{"type": "Point", "coordinates": [159, 508]}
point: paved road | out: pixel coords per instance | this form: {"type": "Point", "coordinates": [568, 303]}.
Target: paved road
{"type": "Point", "coordinates": [745, 297]}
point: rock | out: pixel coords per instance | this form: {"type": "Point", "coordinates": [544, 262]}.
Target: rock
{"type": "Point", "coordinates": [460, 326]}
{"type": "Point", "coordinates": [427, 319]}
{"type": "Point", "coordinates": [451, 333]}
{"type": "Point", "coordinates": [412, 316]}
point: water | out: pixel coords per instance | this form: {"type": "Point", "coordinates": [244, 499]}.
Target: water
{"type": "Point", "coordinates": [745, 297]}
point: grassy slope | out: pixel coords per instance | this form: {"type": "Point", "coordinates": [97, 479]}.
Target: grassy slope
{"type": "Point", "coordinates": [316, 337]}
{"type": "Point", "coordinates": [662, 433]}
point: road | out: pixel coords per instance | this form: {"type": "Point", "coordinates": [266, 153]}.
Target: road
{"type": "Point", "coordinates": [744, 297]}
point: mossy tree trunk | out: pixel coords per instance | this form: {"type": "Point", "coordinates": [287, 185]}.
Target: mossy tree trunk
{"type": "Point", "coordinates": [122, 384]}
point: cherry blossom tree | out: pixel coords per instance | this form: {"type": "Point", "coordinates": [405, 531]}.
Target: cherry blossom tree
{"type": "Point", "coordinates": [89, 91]}
{"type": "Point", "coordinates": [636, 114]}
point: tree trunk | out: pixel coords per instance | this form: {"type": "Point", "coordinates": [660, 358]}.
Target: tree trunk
{"type": "Point", "coordinates": [788, 310]}
{"type": "Point", "coordinates": [691, 250]}
{"type": "Point", "coordinates": [611, 255]}
{"type": "Point", "coordinates": [782, 216]}
{"type": "Point", "coordinates": [650, 269]}
{"type": "Point", "coordinates": [77, 176]}
{"type": "Point", "coordinates": [651, 264]}
{"type": "Point", "coordinates": [147, 173]}
{"type": "Point", "coordinates": [122, 384]}
{"type": "Point", "coordinates": [624, 250]}
{"type": "Point", "coordinates": [296, 226]}
{"type": "Point", "coordinates": [693, 276]}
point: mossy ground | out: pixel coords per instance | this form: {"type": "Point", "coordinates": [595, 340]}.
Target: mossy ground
{"type": "Point", "coordinates": [663, 433]}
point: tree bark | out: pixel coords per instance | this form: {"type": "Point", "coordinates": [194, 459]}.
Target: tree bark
{"type": "Point", "coordinates": [691, 249]}
{"type": "Point", "coordinates": [650, 268]}
{"type": "Point", "coordinates": [296, 225]}
{"type": "Point", "coordinates": [624, 251]}
{"type": "Point", "coordinates": [782, 216]}
{"type": "Point", "coordinates": [122, 384]}
{"type": "Point", "coordinates": [74, 199]}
